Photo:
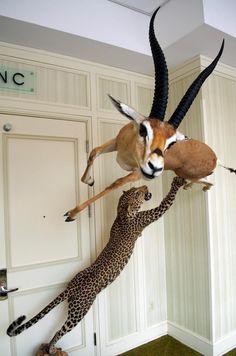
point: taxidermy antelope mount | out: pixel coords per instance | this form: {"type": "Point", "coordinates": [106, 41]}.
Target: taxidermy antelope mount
{"type": "Point", "coordinates": [149, 145]}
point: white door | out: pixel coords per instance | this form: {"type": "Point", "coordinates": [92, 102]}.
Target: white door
{"type": "Point", "coordinates": [41, 162]}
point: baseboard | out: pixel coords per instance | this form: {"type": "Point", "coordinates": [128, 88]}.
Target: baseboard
{"type": "Point", "coordinates": [201, 344]}
{"type": "Point", "coordinates": [195, 341]}
{"type": "Point", "coordinates": [135, 340]}
{"type": "Point", "coordinates": [187, 337]}
{"type": "Point", "coordinates": [225, 344]}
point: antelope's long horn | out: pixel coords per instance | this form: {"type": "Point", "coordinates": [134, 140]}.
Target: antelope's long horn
{"type": "Point", "coordinates": [160, 97]}
{"type": "Point", "coordinates": [192, 91]}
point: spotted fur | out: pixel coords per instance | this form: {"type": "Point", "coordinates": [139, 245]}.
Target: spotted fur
{"type": "Point", "coordinates": [84, 287]}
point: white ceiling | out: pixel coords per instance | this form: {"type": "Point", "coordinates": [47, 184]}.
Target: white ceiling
{"type": "Point", "coordinates": [106, 32]}
{"type": "Point", "coordinates": [145, 7]}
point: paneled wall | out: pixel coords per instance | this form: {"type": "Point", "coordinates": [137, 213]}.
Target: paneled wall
{"type": "Point", "coordinates": [186, 235]}
{"type": "Point", "coordinates": [200, 233]}
{"type": "Point", "coordinates": [220, 128]}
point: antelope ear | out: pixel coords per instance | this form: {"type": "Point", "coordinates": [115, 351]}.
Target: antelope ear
{"type": "Point", "coordinates": [127, 110]}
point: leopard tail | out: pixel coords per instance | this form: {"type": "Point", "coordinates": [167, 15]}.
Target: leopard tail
{"type": "Point", "coordinates": [17, 327]}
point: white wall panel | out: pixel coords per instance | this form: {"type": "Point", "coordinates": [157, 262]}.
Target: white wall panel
{"type": "Point", "coordinates": [220, 128]}
{"type": "Point", "coordinates": [144, 98]}
{"type": "Point", "coordinates": [120, 297]}
{"type": "Point", "coordinates": [186, 235]}
{"type": "Point", "coordinates": [188, 299]}
{"type": "Point", "coordinates": [201, 251]}
{"type": "Point", "coordinates": [119, 89]}
{"type": "Point", "coordinates": [154, 271]}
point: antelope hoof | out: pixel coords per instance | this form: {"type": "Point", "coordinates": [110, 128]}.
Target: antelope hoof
{"type": "Point", "coordinates": [206, 188]}
{"type": "Point", "coordinates": [68, 217]}
{"type": "Point", "coordinates": [187, 186]}
{"type": "Point", "coordinates": [90, 181]}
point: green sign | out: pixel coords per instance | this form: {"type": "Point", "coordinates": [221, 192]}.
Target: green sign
{"type": "Point", "coordinates": [17, 80]}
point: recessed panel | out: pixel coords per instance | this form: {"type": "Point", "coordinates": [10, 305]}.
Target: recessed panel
{"type": "Point", "coordinates": [153, 250]}
{"type": "Point", "coordinates": [118, 89]}
{"type": "Point", "coordinates": [144, 99]}
{"type": "Point", "coordinates": [121, 305]}
{"type": "Point", "coordinates": [39, 173]}
{"type": "Point", "coordinates": [29, 304]}
{"type": "Point", "coordinates": [120, 295]}
{"type": "Point", "coordinates": [47, 84]}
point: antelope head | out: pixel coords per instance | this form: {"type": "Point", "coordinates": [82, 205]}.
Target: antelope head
{"type": "Point", "coordinates": [153, 134]}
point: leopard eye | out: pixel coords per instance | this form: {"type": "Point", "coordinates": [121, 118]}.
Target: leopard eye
{"type": "Point", "coordinates": [142, 130]}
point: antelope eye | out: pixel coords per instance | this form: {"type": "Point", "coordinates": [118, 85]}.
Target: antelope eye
{"type": "Point", "coordinates": [142, 130]}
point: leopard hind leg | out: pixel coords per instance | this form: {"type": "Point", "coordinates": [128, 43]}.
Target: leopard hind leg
{"type": "Point", "coordinates": [75, 315]}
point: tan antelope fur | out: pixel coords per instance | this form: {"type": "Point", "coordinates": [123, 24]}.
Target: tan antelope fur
{"type": "Point", "coordinates": [148, 145]}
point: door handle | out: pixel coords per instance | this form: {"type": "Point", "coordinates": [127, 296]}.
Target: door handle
{"type": "Point", "coordinates": [4, 291]}
{"type": "Point", "coordinates": [3, 285]}
{"type": "Point", "coordinates": [7, 127]}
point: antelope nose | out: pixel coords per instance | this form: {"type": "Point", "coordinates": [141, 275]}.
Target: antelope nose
{"type": "Point", "coordinates": [154, 168]}
{"type": "Point", "coordinates": [151, 166]}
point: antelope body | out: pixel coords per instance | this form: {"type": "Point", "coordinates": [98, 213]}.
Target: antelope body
{"type": "Point", "coordinates": [148, 145]}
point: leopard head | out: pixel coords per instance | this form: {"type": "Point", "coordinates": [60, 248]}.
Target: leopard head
{"type": "Point", "coordinates": [131, 201]}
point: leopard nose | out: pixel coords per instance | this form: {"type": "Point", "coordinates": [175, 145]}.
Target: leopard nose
{"type": "Point", "coordinates": [148, 196]}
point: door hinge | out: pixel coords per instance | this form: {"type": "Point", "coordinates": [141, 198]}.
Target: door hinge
{"type": "Point", "coordinates": [95, 339]}
{"type": "Point", "coordinates": [87, 146]}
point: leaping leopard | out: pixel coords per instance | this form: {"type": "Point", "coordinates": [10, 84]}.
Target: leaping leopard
{"type": "Point", "coordinates": [84, 287]}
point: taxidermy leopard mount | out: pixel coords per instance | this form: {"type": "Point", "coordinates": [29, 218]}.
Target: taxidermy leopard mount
{"type": "Point", "coordinates": [85, 286]}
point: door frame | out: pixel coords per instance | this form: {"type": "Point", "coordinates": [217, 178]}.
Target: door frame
{"type": "Point", "coordinates": [27, 108]}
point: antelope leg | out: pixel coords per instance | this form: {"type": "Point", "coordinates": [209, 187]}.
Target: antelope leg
{"type": "Point", "coordinates": [206, 185]}
{"type": "Point", "coordinates": [109, 146]}
{"type": "Point", "coordinates": [132, 177]}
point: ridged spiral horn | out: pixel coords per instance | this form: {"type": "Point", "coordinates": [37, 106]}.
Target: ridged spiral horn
{"type": "Point", "coordinates": [160, 97]}
{"type": "Point", "coordinates": [192, 92]}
